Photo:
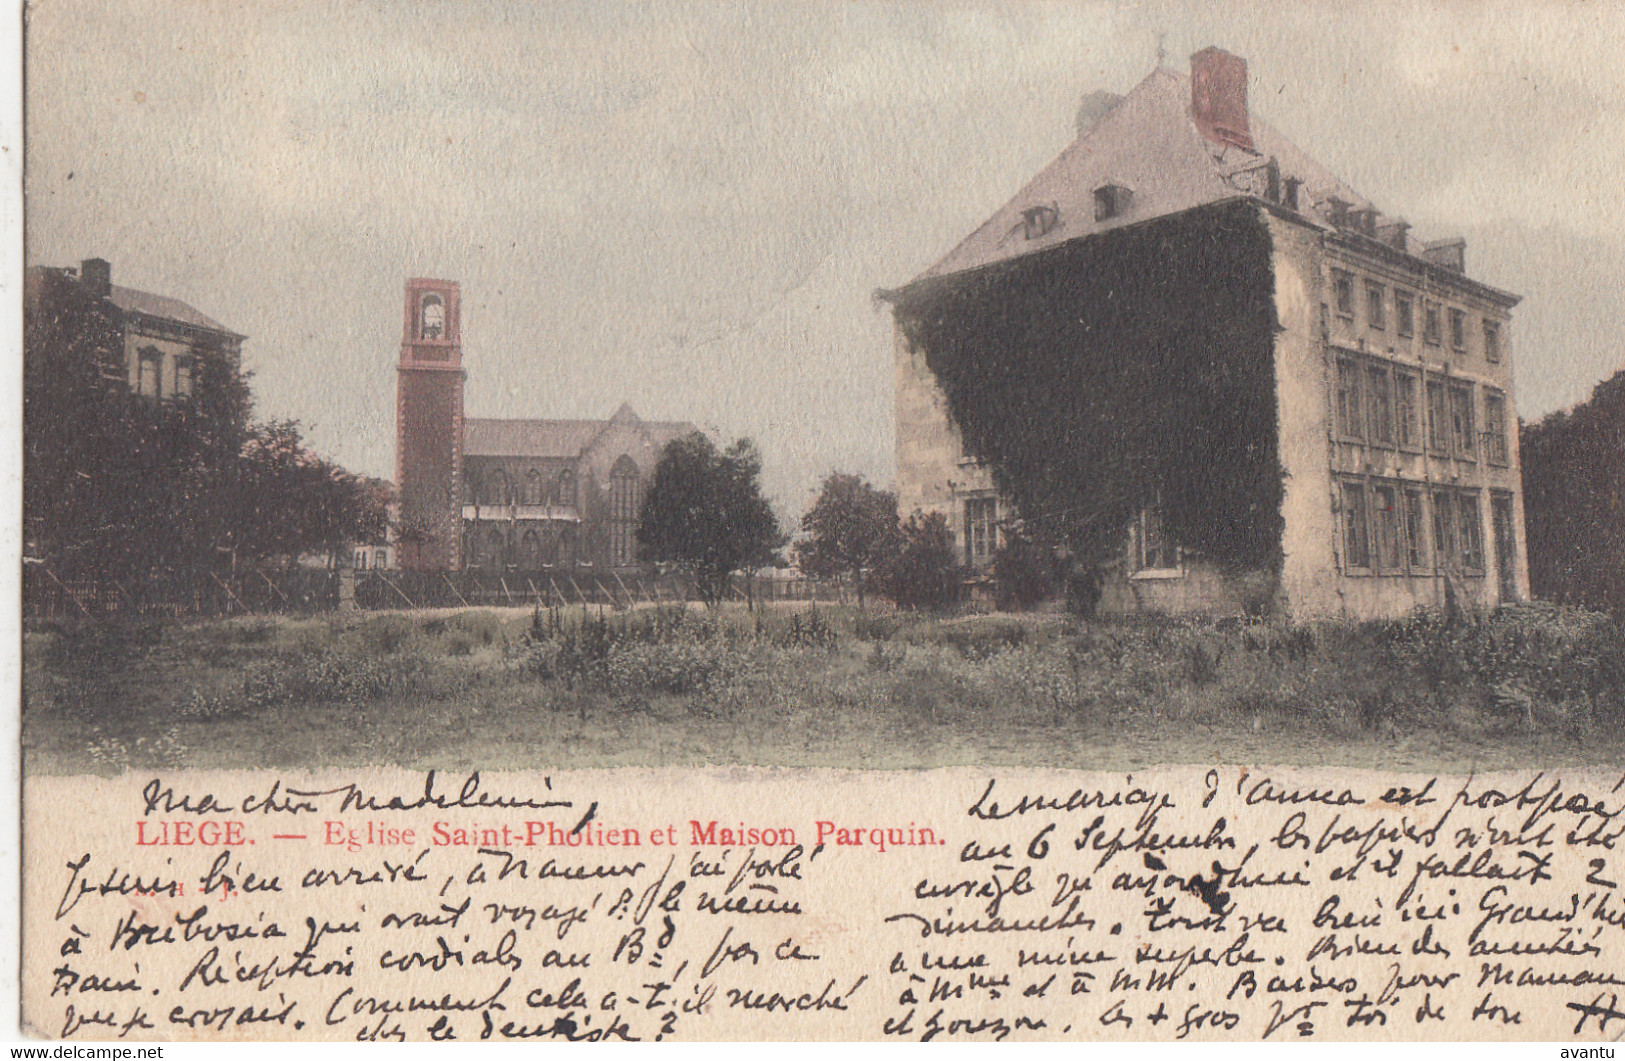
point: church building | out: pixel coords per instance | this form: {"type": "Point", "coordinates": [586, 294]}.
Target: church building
{"type": "Point", "coordinates": [1216, 375]}
{"type": "Point", "coordinates": [507, 494]}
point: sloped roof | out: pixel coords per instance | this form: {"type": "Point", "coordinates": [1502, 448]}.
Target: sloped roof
{"type": "Point", "coordinates": [130, 300]}
{"type": "Point", "coordinates": [557, 438]}
{"type": "Point", "coordinates": [1149, 143]}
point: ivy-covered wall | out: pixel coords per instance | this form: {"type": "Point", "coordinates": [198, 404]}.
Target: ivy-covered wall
{"type": "Point", "coordinates": [1094, 375]}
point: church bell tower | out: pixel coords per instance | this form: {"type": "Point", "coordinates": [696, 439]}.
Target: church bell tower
{"type": "Point", "coordinates": [429, 428]}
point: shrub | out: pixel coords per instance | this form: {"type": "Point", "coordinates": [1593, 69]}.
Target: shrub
{"type": "Point", "coordinates": [924, 573]}
{"type": "Point", "coordinates": [1025, 573]}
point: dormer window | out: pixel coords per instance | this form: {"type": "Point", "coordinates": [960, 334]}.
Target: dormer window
{"type": "Point", "coordinates": [1039, 221]}
{"type": "Point", "coordinates": [1112, 200]}
{"type": "Point", "coordinates": [432, 318]}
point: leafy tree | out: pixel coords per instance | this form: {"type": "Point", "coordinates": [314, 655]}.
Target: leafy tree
{"type": "Point", "coordinates": [289, 501]}
{"type": "Point", "coordinates": [924, 573]}
{"type": "Point", "coordinates": [704, 510]}
{"type": "Point", "coordinates": [854, 530]}
{"type": "Point", "coordinates": [1574, 500]}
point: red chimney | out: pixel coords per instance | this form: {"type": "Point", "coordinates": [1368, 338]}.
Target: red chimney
{"type": "Point", "coordinates": [1219, 97]}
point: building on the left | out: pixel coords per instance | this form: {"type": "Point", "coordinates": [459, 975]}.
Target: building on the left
{"type": "Point", "coordinates": [152, 344]}
{"type": "Point", "coordinates": [89, 346]}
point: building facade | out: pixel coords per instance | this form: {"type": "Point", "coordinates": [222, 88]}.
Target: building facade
{"type": "Point", "coordinates": [507, 494]}
{"type": "Point", "coordinates": [1300, 408]}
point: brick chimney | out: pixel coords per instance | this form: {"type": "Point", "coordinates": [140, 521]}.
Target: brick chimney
{"type": "Point", "coordinates": [96, 277]}
{"type": "Point", "coordinates": [1219, 97]}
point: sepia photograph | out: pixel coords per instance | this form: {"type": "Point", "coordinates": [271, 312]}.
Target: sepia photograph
{"type": "Point", "coordinates": [879, 394]}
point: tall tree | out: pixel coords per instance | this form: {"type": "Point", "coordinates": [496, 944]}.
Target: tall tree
{"type": "Point", "coordinates": [1574, 500]}
{"type": "Point", "coordinates": [854, 530]}
{"type": "Point", "coordinates": [291, 502]}
{"type": "Point", "coordinates": [704, 510]}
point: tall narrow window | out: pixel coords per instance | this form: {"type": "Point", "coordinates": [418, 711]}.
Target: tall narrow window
{"type": "Point", "coordinates": [1376, 303]}
{"type": "Point", "coordinates": [1464, 437]}
{"type": "Point", "coordinates": [1438, 418]}
{"type": "Point", "coordinates": [1444, 529]}
{"type": "Point", "coordinates": [1379, 405]}
{"type": "Point", "coordinates": [623, 512]}
{"type": "Point", "coordinates": [1495, 426]}
{"type": "Point", "coordinates": [1356, 532]}
{"type": "Point", "coordinates": [1415, 547]}
{"type": "Point", "coordinates": [1458, 330]}
{"type": "Point", "coordinates": [1405, 432]}
{"type": "Point", "coordinates": [150, 372]}
{"type": "Point", "coordinates": [1471, 533]}
{"type": "Point", "coordinates": [1386, 519]}
{"type": "Point", "coordinates": [1404, 314]}
{"type": "Point", "coordinates": [1154, 549]}
{"type": "Point", "coordinates": [183, 377]}
{"type": "Point", "coordinates": [567, 487]}
{"type": "Point", "coordinates": [496, 488]}
{"type": "Point", "coordinates": [1430, 323]}
{"type": "Point", "coordinates": [530, 550]}
{"type": "Point", "coordinates": [1350, 423]}
{"type": "Point", "coordinates": [981, 529]}
{"type": "Point", "coordinates": [535, 488]}
{"type": "Point", "coordinates": [1492, 342]}
{"type": "Point", "coordinates": [1343, 288]}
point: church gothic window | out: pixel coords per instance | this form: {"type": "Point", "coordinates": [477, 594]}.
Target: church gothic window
{"type": "Point", "coordinates": [623, 512]}
{"type": "Point", "coordinates": [534, 490]}
{"type": "Point", "coordinates": [567, 487]}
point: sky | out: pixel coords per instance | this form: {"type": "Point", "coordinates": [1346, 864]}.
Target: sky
{"type": "Point", "coordinates": [690, 206]}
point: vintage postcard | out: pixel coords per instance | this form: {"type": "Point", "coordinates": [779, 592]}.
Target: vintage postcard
{"type": "Point", "coordinates": [823, 521]}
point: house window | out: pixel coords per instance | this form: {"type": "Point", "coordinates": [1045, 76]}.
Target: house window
{"type": "Point", "coordinates": [1463, 436]}
{"type": "Point", "coordinates": [1405, 409]}
{"type": "Point", "coordinates": [1495, 426]}
{"type": "Point", "coordinates": [623, 512]}
{"type": "Point", "coordinates": [1414, 546]}
{"type": "Point", "coordinates": [1404, 314]}
{"type": "Point", "coordinates": [1376, 306]}
{"type": "Point", "coordinates": [1356, 533]}
{"type": "Point", "coordinates": [1492, 342]}
{"type": "Point", "coordinates": [432, 319]}
{"type": "Point", "coordinates": [361, 559]}
{"type": "Point", "coordinates": [183, 377]}
{"type": "Point", "coordinates": [1154, 549]}
{"type": "Point", "coordinates": [1379, 405]}
{"type": "Point", "coordinates": [981, 529]}
{"type": "Point", "coordinates": [1438, 419]}
{"type": "Point", "coordinates": [1112, 200]}
{"type": "Point", "coordinates": [1444, 528]}
{"type": "Point", "coordinates": [567, 487]}
{"type": "Point", "coordinates": [1386, 521]}
{"type": "Point", "coordinates": [1430, 324]}
{"type": "Point", "coordinates": [1472, 533]}
{"type": "Point", "coordinates": [1458, 330]}
{"type": "Point", "coordinates": [150, 373]}
{"type": "Point", "coordinates": [380, 558]}
{"type": "Point", "coordinates": [1350, 423]}
{"type": "Point", "coordinates": [1343, 284]}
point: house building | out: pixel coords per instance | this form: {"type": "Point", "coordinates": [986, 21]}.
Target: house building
{"type": "Point", "coordinates": [507, 494]}
{"type": "Point", "coordinates": [1218, 375]}
{"type": "Point", "coordinates": [154, 345]}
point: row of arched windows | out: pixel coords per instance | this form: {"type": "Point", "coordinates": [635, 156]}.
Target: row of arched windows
{"type": "Point", "coordinates": [495, 488]}
{"type": "Point", "coordinates": [534, 548]}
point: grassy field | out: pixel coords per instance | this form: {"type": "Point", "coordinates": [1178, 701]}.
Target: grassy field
{"type": "Point", "coordinates": [794, 686]}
